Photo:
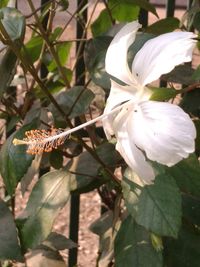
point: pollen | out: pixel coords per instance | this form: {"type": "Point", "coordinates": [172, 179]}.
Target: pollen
{"type": "Point", "coordinates": [39, 141]}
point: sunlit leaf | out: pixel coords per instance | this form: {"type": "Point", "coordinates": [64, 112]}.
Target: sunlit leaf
{"type": "Point", "coordinates": [123, 11]}
{"type": "Point", "coordinates": [33, 48]}
{"type": "Point", "coordinates": [3, 3]}
{"type": "Point", "coordinates": [48, 196]}
{"type": "Point", "coordinates": [62, 51]}
{"type": "Point", "coordinates": [101, 24]}
{"type": "Point", "coordinates": [13, 22]}
{"type": "Point", "coordinates": [163, 94]}
{"type": "Point", "coordinates": [143, 4]}
{"type": "Point", "coordinates": [14, 161]}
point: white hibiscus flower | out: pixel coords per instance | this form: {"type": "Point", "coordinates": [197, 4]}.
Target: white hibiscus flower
{"type": "Point", "coordinates": [145, 129]}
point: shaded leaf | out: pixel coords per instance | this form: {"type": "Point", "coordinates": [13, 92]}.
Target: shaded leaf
{"type": "Point", "coordinates": [133, 247]}
{"type": "Point", "coordinates": [85, 179]}
{"type": "Point", "coordinates": [9, 246]}
{"type": "Point", "coordinates": [186, 174]}
{"type": "Point", "coordinates": [74, 102]}
{"type": "Point", "coordinates": [196, 74]}
{"type": "Point", "coordinates": [7, 68]}
{"type": "Point", "coordinates": [183, 252]}
{"type": "Point", "coordinates": [163, 26]}
{"type": "Point", "coordinates": [48, 196]}
{"type": "Point", "coordinates": [102, 224]}
{"type": "Point", "coordinates": [56, 159]}
{"type": "Point", "coordinates": [191, 102]}
{"type": "Point", "coordinates": [181, 74]}
{"type": "Point", "coordinates": [14, 161]}
{"type": "Point", "coordinates": [57, 241]}
{"type": "Point", "coordinates": [141, 39]}
{"type": "Point", "coordinates": [157, 207]}
{"type": "Point", "coordinates": [191, 209]}
{"type": "Point", "coordinates": [94, 56]}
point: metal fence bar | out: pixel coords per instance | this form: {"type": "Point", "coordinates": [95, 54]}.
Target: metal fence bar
{"type": "Point", "coordinates": [80, 80]}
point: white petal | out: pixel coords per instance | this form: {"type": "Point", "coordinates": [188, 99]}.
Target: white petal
{"type": "Point", "coordinates": [116, 57]}
{"type": "Point", "coordinates": [161, 54]}
{"type": "Point", "coordinates": [128, 150]}
{"type": "Point", "coordinates": [164, 131]}
{"type": "Point", "coordinates": [118, 95]}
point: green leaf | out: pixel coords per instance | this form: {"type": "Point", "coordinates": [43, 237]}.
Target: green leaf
{"type": "Point", "coordinates": [102, 224]}
{"type": "Point", "coordinates": [163, 94]}
{"type": "Point", "coordinates": [7, 68]}
{"type": "Point", "coordinates": [74, 102]}
{"type": "Point", "coordinates": [56, 159]}
{"type": "Point", "coordinates": [48, 196]}
{"type": "Point", "coordinates": [57, 241]}
{"type": "Point", "coordinates": [86, 179]}
{"type": "Point", "coordinates": [3, 3]}
{"type": "Point", "coordinates": [183, 252]}
{"type": "Point", "coordinates": [101, 24]}
{"type": "Point", "coordinates": [133, 247]}
{"type": "Point", "coordinates": [163, 26]}
{"type": "Point", "coordinates": [196, 74]}
{"type": "Point", "coordinates": [94, 56]}
{"type": "Point", "coordinates": [186, 174]}
{"type": "Point", "coordinates": [123, 11]}
{"type": "Point", "coordinates": [13, 22]}
{"type": "Point", "coordinates": [64, 4]}
{"type": "Point", "coordinates": [181, 74]}
{"type": "Point", "coordinates": [143, 4]}
{"type": "Point", "coordinates": [14, 161]}
{"type": "Point", "coordinates": [191, 209]}
{"type": "Point", "coordinates": [159, 207]}
{"type": "Point", "coordinates": [9, 245]}
{"type": "Point", "coordinates": [197, 140]}
{"type": "Point", "coordinates": [196, 23]}
{"type": "Point", "coordinates": [34, 48]}
{"type": "Point", "coordinates": [191, 102]}
{"type": "Point", "coordinates": [62, 51]}
{"type": "Point", "coordinates": [140, 40]}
